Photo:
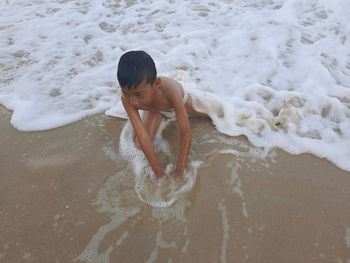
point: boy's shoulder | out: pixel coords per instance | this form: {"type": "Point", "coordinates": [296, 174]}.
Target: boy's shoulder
{"type": "Point", "coordinates": [170, 83]}
{"type": "Point", "coordinates": [172, 89]}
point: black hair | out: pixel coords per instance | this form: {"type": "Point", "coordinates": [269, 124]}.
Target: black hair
{"type": "Point", "coordinates": [134, 67]}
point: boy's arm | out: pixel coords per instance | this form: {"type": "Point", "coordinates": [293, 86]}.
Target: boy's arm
{"type": "Point", "coordinates": [185, 136]}
{"type": "Point", "coordinates": [143, 137]}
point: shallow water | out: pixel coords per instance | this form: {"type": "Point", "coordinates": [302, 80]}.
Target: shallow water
{"type": "Point", "coordinates": [169, 202]}
{"type": "Point", "coordinates": [280, 69]}
{"type": "Point", "coordinates": [69, 195]}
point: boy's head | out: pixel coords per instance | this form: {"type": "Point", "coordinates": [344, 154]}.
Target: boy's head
{"type": "Point", "coordinates": [135, 67]}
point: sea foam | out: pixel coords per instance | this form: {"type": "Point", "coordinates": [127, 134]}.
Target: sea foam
{"type": "Point", "coordinates": [277, 71]}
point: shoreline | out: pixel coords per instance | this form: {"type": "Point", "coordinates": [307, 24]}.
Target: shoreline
{"type": "Point", "coordinates": [63, 195]}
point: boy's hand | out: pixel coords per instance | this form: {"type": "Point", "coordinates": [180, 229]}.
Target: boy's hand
{"type": "Point", "coordinates": [177, 174]}
{"type": "Point", "coordinates": [159, 173]}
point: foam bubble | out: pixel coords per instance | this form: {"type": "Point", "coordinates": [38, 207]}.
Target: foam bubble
{"type": "Point", "coordinates": [153, 191]}
{"type": "Point", "coordinates": [165, 191]}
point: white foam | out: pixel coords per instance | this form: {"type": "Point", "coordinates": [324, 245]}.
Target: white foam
{"type": "Point", "coordinates": [280, 69]}
{"type": "Point", "coordinates": [237, 187]}
{"type": "Point", "coordinates": [156, 192]}
{"type": "Point", "coordinates": [347, 237]}
{"type": "Point", "coordinates": [160, 243]}
{"type": "Point", "coordinates": [118, 198]}
{"type": "Point", "coordinates": [122, 238]}
{"type": "Point", "coordinates": [226, 233]}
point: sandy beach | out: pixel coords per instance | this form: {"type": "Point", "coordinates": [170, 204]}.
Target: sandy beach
{"type": "Point", "coordinates": [63, 200]}
{"type": "Point", "coordinates": [74, 188]}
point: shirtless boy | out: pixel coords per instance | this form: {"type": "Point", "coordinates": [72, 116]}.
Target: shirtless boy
{"type": "Point", "coordinates": [158, 97]}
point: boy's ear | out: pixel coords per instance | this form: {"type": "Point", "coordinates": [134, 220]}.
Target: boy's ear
{"type": "Point", "coordinates": [157, 82]}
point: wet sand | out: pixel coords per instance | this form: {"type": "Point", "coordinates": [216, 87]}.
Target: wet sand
{"type": "Point", "coordinates": [63, 199]}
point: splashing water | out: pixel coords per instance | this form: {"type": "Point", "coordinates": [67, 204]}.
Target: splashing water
{"type": "Point", "coordinates": [280, 69]}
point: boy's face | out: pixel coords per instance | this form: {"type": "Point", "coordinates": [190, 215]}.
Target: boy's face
{"type": "Point", "coordinates": [142, 96]}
